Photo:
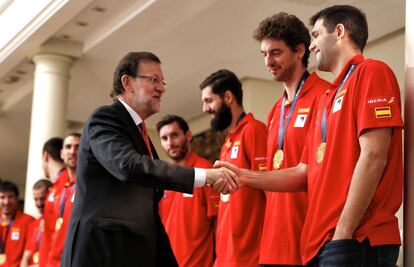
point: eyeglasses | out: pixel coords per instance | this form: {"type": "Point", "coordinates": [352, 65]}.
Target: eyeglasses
{"type": "Point", "coordinates": [153, 79]}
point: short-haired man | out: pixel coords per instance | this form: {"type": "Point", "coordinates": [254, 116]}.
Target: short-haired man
{"type": "Point", "coordinates": [63, 205]}
{"type": "Point", "coordinates": [240, 218]}
{"type": "Point", "coordinates": [51, 245]}
{"type": "Point", "coordinates": [189, 219]}
{"type": "Point", "coordinates": [14, 226]}
{"type": "Point", "coordinates": [284, 42]}
{"type": "Point", "coordinates": [52, 163]}
{"type": "Point", "coordinates": [31, 252]}
{"type": "Point", "coordinates": [352, 163]}
{"type": "Point", "coordinates": [54, 169]}
{"type": "Point", "coordinates": [115, 220]}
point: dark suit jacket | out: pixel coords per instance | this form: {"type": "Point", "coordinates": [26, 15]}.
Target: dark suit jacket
{"type": "Point", "coordinates": [115, 219]}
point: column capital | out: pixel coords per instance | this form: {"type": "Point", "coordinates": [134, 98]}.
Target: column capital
{"type": "Point", "coordinates": [54, 46]}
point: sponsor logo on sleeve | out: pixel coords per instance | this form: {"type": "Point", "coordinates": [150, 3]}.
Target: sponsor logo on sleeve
{"type": "Point", "coordinates": [380, 100]}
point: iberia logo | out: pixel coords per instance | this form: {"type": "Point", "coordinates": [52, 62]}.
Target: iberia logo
{"type": "Point", "coordinates": [376, 100]}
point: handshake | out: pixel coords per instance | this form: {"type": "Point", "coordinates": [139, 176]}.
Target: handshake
{"type": "Point", "coordinates": [225, 177]}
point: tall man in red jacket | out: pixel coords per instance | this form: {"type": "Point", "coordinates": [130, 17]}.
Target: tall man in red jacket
{"type": "Point", "coordinates": [284, 42]}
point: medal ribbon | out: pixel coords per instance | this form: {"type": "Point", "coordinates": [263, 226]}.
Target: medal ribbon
{"type": "Point", "coordinates": [242, 115]}
{"type": "Point", "coordinates": [39, 234]}
{"type": "Point", "coordinates": [3, 243]}
{"type": "Point", "coordinates": [63, 198]}
{"type": "Point", "coordinates": [283, 124]}
{"type": "Point", "coordinates": [240, 118]}
{"type": "Point", "coordinates": [324, 123]}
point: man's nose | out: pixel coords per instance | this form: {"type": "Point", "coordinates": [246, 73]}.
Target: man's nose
{"type": "Point", "coordinates": [268, 60]}
{"type": "Point", "coordinates": [206, 108]}
{"type": "Point", "coordinates": [312, 46]}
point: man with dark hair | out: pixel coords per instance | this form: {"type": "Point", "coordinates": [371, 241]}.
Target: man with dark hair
{"type": "Point", "coordinates": [284, 42]}
{"type": "Point", "coordinates": [215, 87]}
{"type": "Point", "coordinates": [14, 226]}
{"type": "Point", "coordinates": [189, 219]}
{"type": "Point", "coordinates": [51, 244]}
{"type": "Point", "coordinates": [352, 162]}
{"type": "Point", "coordinates": [240, 218]}
{"type": "Point", "coordinates": [63, 202]}
{"type": "Point", "coordinates": [54, 169]}
{"type": "Point", "coordinates": [115, 220]}
{"type": "Point", "coordinates": [51, 162]}
{"type": "Point", "coordinates": [31, 255]}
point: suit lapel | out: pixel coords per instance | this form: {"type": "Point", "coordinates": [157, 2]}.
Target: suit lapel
{"type": "Point", "coordinates": [133, 130]}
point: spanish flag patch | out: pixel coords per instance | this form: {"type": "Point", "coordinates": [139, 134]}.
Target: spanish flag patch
{"type": "Point", "coordinates": [383, 112]}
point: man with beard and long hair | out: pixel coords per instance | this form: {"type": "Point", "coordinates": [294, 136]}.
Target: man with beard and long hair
{"type": "Point", "coordinates": [284, 42]}
{"type": "Point", "coordinates": [240, 218]}
{"type": "Point", "coordinates": [189, 219]}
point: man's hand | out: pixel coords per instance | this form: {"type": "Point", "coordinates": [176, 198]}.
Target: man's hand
{"type": "Point", "coordinates": [234, 169]}
{"type": "Point", "coordinates": [222, 179]}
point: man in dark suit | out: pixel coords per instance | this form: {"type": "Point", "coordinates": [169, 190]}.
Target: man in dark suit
{"type": "Point", "coordinates": [115, 220]}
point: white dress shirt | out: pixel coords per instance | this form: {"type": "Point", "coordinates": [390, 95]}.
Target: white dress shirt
{"type": "Point", "coordinates": [199, 174]}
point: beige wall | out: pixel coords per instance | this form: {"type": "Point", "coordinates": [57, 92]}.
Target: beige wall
{"type": "Point", "coordinates": [260, 95]}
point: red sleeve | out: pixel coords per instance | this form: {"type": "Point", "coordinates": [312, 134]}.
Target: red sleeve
{"type": "Point", "coordinates": [256, 137]}
{"type": "Point", "coordinates": [377, 100]}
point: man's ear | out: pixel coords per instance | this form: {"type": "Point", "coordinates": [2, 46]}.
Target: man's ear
{"type": "Point", "coordinates": [126, 82]}
{"type": "Point", "coordinates": [300, 50]}
{"type": "Point", "coordinates": [188, 136]}
{"type": "Point", "coordinates": [45, 156]}
{"type": "Point", "coordinates": [340, 30]}
{"type": "Point", "coordinates": [228, 97]}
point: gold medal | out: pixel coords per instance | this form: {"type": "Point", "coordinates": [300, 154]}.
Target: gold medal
{"type": "Point", "coordinates": [3, 258]}
{"type": "Point", "coordinates": [278, 159]}
{"type": "Point", "coordinates": [320, 152]}
{"type": "Point", "coordinates": [59, 223]}
{"type": "Point", "coordinates": [36, 257]}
